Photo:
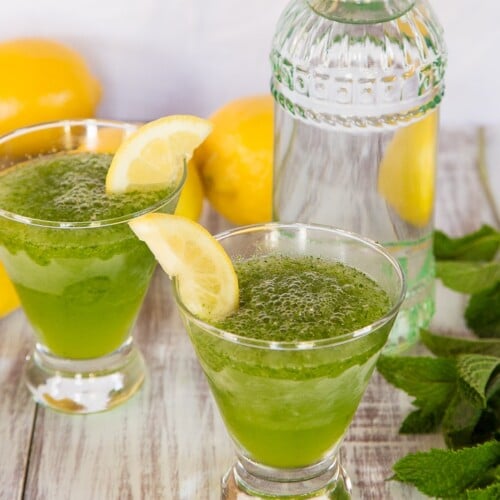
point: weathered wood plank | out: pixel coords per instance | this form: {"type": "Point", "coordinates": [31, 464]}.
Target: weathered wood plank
{"type": "Point", "coordinates": [461, 205]}
{"type": "Point", "coordinates": [491, 165]}
{"type": "Point", "coordinates": [17, 409]}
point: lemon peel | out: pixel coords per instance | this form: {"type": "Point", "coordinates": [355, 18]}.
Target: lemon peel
{"type": "Point", "coordinates": [153, 157]}
{"type": "Point", "coordinates": [206, 280]}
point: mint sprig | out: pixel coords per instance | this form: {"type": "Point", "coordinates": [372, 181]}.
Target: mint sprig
{"type": "Point", "coordinates": [457, 392]}
{"type": "Point", "coordinates": [461, 396]}
{"type": "Point", "coordinates": [483, 312]}
{"type": "Point", "coordinates": [452, 474]}
{"type": "Point", "coordinates": [474, 373]}
{"type": "Point", "coordinates": [457, 395]}
{"type": "Point", "coordinates": [468, 277]}
{"type": "Point", "coordinates": [482, 245]}
{"type": "Point", "coordinates": [452, 346]}
{"type": "Point", "coordinates": [431, 381]}
{"type": "Point", "coordinates": [470, 265]}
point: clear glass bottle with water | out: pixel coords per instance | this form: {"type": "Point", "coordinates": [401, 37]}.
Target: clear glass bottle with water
{"type": "Point", "coordinates": [357, 85]}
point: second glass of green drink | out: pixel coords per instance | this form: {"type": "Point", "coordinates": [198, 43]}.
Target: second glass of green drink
{"type": "Point", "coordinates": [290, 366]}
{"type": "Point", "coordinates": [79, 270]}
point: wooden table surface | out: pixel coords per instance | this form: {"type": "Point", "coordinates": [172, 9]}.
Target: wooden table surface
{"type": "Point", "coordinates": [168, 441]}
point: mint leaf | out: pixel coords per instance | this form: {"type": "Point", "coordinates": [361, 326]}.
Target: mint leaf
{"type": "Point", "coordinates": [430, 380]}
{"type": "Point", "coordinates": [447, 473]}
{"type": "Point", "coordinates": [451, 346]}
{"type": "Point", "coordinates": [493, 385]}
{"type": "Point", "coordinates": [489, 493]}
{"type": "Point", "coordinates": [492, 476]}
{"type": "Point", "coordinates": [483, 312]}
{"type": "Point", "coordinates": [422, 422]}
{"type": "Point", "coordinates": [487, 428]}
{"type": "Point", "coordinates": [483, 244]}
{"type": "Point", "coordinates": [468, 277]}
{"type": "Point", "coordinates": [470, 416]}
{"type": "Point", "coordinates": [460, 420]}
{"type": "Point", "coordinates": [475, 371]}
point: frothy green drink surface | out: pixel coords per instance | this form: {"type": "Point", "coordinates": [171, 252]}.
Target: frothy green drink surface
{"type": "Point", "coordinates": [80, 287]}
{"type": "Point", "coordinates": [46, 189]}
{"type": "Point", "coordinates": [303, 298]}
{"type": "Point", "coordinates": [290, 407]}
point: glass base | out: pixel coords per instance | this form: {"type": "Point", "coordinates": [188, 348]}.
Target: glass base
{"type": "Point", "coordinates": [247, 480]}
{"type": "Point", "coordinates": [87, 385]}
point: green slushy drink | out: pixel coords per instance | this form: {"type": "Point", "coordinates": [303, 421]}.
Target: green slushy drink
{"type": "Point", "coordinates": [288, 409]}
{"type": "Point", "coordinates": [81, 275]}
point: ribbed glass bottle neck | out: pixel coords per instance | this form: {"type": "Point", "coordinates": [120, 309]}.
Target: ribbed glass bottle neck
{"type": "Point", "coordinates": [361, 11]}
{"type": "Point", "coordinates": [382, 73]}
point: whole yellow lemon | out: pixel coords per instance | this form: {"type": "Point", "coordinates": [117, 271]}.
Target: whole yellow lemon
{"type": "Point", "coordinates": [191, 200]}
{"type": "Point", "coordinates": [43, 80]}
{"type": "Point", "coordinates": [8, 296]}
{"type": "Point", "coordinates": [235, 161]}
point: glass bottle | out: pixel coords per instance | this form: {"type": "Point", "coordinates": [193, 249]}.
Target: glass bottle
{"type": "Point", "coordinates": [357, 86]}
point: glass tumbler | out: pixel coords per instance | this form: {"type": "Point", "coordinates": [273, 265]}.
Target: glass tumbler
{"type": "Point", "coordinates": [287, 405]}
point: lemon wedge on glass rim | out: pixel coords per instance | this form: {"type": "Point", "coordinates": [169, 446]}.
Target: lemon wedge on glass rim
{"type": "Point", "coordinates": [207, 281]}
{"type": "Point", "coordinates": [153, 157]}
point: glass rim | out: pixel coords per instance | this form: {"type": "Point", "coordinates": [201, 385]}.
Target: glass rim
{"type": "Point", "coordinates": [294, 345]}
{"type": "Point", "coordinates": [85, 122]}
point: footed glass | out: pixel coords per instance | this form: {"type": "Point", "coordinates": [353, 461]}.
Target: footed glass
{"type": "Point", "coordinates": [81, 279]}
{"type": "Point", "coordinates": [287, 404]}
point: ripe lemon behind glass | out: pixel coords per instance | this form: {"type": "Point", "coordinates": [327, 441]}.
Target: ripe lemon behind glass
{"type": "Point", "coordinates": [407, 173]}
{"type": "Point", "coordinates": [190, 203]}
{"type": "Point", "coordinates": [235, 161]}
{"type": "Point", "coordinates": [44, 80]}
{"type": "Point", "coordinates": [8, 296]}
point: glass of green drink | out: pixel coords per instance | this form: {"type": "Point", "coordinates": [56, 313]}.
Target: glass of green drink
{"type": "Point", "coordinates": [79, 270]}
{"type": "Point", "coordinates": [290, 366]}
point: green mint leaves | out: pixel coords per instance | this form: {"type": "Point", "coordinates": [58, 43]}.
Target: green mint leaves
{"type": "Point", "coordinates": [452, 346]}
{"type": "Point", "coordinates": [432, 381]}
{"type": "Point", "coordinates": [458, 391]}
{"type": "Point", "coordinates": [468, 277]}
{"type": "Point", "coordinates": [469, 265]}
{"type": "Point", "coordinates": [458, 395]}
{"type": "Point", "coordinates": [460, 473]}
{"type": "Point", "coordinates": [474, 373]}
{"type": "Point", "coordinates": [483, 312]}
{"type": "Point", "coordinates": [481, 245]}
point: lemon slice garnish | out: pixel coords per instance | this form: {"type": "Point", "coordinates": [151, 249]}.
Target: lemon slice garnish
{"type": "Point", "coordinates": [207, 281]}
{"type": "Point", "coordinates": [153, 157]}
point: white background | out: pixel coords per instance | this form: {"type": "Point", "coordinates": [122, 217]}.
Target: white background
{"type": "Point", "coordinates": [156, 57]}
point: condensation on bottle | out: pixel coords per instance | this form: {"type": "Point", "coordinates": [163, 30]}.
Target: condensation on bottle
{"type": "Point", "coordinates": [357, 86]}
